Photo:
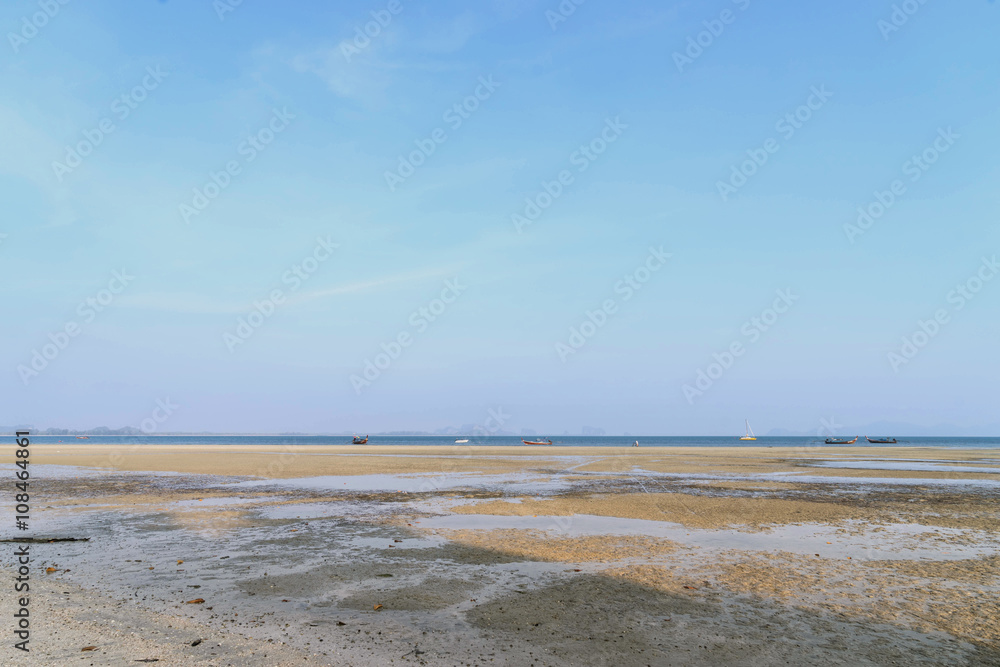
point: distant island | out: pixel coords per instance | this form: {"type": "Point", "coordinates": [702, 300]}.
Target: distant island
{"type": "Point", "coordinates": [100, 430]}
{"type": "Point", "coordinates": [899, 429]}
{"type": "Point", "coordinates": [125, 430]}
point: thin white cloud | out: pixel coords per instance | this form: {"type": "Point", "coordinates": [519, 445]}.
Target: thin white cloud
{"type": "Point", "coordinates": [194, 303]}
{"type": "Point", "coordinates": [450, 36]}
{"type": "Point", "coordinates": [179, 302]}
{"type": "Point", "coordinates": [374, 284]}
{"type": "Point", "coordinates": [364, 78]}
{"type": "Point", "coordinates": [508, 10]}
{"type": "Point", "coordinates": [364, 73]}
{"type": "Point", "coordinates": [28, 153]}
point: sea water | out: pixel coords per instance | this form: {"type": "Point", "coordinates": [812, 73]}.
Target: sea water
{"type": "Point", "coordinates": [500, 441]}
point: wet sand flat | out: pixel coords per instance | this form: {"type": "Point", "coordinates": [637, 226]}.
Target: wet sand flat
{"type": "Point", "coordinates": [303, 460]}
{"type": "Point", "coordinates": [513, 555]}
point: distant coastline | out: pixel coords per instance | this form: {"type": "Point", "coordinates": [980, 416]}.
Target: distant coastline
{"type": "Point", "coordinates": [897, 430]}
{"type": "Point", "coordinates": [429, 441]}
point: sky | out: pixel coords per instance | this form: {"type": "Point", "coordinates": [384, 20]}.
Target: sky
{"type": "Point", "coordinates": [644, 217]}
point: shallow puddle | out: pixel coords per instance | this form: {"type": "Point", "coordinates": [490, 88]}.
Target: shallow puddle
{"type": "Point", "coordinates": [891, 542]}
{"type": "Point", "coordinates": [518, 484]}
{"type": "Point", "coordinates": [909, 465]}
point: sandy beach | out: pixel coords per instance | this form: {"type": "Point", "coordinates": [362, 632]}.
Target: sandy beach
{"type": "Point", "coordinates": [353, 555]}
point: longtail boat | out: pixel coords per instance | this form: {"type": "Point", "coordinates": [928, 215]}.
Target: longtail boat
{"type": "Point", "coordinates": [360, 441]}
{"type": "Point", "coordinates": [836, 441]}
{"type": "Point", "coordinates": [536, 442]}
{"type": "Point", "coordinates": [881, 441]}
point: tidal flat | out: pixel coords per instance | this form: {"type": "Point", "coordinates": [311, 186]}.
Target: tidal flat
{"type": "Point", "coordinates": [313, 555]}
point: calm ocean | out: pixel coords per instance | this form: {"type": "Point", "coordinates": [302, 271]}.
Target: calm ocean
{"type": "Point", "coordinates": [566, 440]}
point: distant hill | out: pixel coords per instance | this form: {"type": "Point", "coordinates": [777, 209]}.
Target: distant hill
{"type": "Point", "coordinates": [881, 428]}
{"type": "Point", "coordinates": [100, 430]}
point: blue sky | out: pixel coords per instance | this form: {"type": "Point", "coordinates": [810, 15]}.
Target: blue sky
{"type": "Point", "coordinates": [597, 99]}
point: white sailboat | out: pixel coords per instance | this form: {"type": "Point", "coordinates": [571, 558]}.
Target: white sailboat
{"type": "Point", "coordinates": [749, 434]}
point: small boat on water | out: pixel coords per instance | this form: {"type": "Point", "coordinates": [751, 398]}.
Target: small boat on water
{"type": "Point", "coordinates": [841, 441]}
{"type": "Point", "coordinates": [458, 442]}
{"type": "Point", "coordinates": [881, 441]}
{"type": "Point", "coordinates": [83, 437]}
{"type": "Point", "coordinates": [360, 441]}
{"type": "Point", "coordinates": [749, 434]}
{"type": "Point", "coordinates": [536, 442]}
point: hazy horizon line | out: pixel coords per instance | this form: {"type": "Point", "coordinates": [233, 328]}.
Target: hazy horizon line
{"type": "Point", "coordinates": [424, 434]}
